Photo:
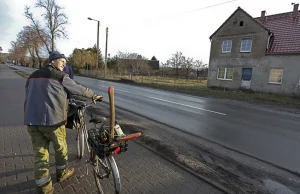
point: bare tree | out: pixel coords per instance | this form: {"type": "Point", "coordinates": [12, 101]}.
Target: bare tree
{"type": "Point", "coordinates": [188, 66]}
{"type": "Point", "coordinates": [35, 24]}
{"type": "Point", "coordinates": [55, 20]}
{"type": "Point", "coordinates": [176, 61]}
{"type": "Point", "coordinates": [18, 52]}
{"type": "Point", "coordinates": [30, 40]}
{"type": "Point", "coordinates": [198, 64]}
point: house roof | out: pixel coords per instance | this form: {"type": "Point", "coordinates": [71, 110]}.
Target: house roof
{"type": "Point", "coordinates": [286, 31]}
{"type": "Point", "coordinates": [239, 8]}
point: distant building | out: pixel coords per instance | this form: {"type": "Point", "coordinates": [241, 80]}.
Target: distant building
{"type": "Point", "coordinates": [139, 63]}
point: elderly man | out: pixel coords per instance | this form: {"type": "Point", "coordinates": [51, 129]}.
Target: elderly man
{"type": "Point", "coordinates": [46, 107]}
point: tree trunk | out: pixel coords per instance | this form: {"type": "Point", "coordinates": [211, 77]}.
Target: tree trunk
{"type": "Point", "coordinates": [52, 41]}
{"type": "Point", "coordinates": [38, 56]}
{"type": "Point", "coordinates": [31, 52]}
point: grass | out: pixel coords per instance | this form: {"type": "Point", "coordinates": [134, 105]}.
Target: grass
{"type": "Point", "coordinates": [22, 73]}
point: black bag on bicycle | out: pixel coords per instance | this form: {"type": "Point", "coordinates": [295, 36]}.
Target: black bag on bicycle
{"type": "Point", "coordinates": [75, 115]}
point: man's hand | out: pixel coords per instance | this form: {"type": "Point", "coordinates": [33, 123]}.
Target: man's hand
{"type": "Point", "coordinates": [97, 98]}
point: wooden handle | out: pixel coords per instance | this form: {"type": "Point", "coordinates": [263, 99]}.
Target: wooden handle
{"type": "Point", "coordinates": [131, 136]}
{"type": "Point", "coordinates": [112, 113]}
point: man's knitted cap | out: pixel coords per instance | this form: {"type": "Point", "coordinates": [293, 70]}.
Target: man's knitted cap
{"type": "Point", "coordinates": [55, 55]}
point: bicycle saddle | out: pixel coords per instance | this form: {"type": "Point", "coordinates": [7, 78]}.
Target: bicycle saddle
{"type": "Point", "coordinates": [97, 119]}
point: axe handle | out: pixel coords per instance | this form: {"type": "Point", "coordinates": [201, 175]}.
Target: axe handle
{"type": "Point", "coordinates": [112, 113]}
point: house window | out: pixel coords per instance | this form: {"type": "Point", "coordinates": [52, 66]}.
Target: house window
{"type": "Point", "coordinates": [225, 73]}
{"type": "Point", "coordinates": [276, 76]}
{"type": "Point", "coordinates": [246, 45]}
{"type": "Point", "coordinates": [227, 45]}
{"type": "Point", "coordinates": [241, 23]}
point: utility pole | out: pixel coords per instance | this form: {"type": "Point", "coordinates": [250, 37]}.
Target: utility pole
{"type": "Point", "coordinates": [105, 62]}
{"type": "Point", "coordinates": [97, 58]}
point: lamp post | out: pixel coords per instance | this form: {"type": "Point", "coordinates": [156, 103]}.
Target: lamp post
{"type": "Point", "coordinates": [98, 25]}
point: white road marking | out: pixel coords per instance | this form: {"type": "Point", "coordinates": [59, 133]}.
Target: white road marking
{"type": "Point", "coordinates": [176, 103]}
{"type": "Point", "coordinates": [122, 91]}
{"type": "Point", "coordinates": [116, 89]}
{"type": "Point", "coordinates": [188, 106]}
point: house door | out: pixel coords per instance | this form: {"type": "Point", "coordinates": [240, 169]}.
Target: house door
{"type": "Point", "coordinates": [246, 77]}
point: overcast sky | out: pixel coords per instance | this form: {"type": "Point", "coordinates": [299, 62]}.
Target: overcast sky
{"type": "Point", "coordinates": [157, 27]}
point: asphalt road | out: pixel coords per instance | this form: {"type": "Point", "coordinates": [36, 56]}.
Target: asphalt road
{"type": "Point", "coordinates": [11, 98]}
{"type": "Point", "coordinates": [270, 136]}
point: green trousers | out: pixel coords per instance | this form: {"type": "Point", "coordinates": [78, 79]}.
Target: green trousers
{"type": "Point", "coordinates": [41, 136]}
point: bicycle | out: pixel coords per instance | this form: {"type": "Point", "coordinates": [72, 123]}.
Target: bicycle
{"type": "Point", "coordinates": [76, 121]}
{"type": "Point", "coordinates": [102, 142]}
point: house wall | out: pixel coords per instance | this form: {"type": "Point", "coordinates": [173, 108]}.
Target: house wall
{"type": "Point", "coordinates": [257, 59]}
{"type": "Point", "coordinates": [290, 78]}
{"type": "Point", "coordinates": [261, 68]}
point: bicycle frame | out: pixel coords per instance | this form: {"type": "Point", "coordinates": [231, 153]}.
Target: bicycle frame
{"type": "Point", "coordinates": [102, 145]}
{"type": "Point", "coordinates": [77, 111]}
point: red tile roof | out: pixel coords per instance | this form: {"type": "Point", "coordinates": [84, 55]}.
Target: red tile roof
{"type": "Point", "coordinates": [286, 32]}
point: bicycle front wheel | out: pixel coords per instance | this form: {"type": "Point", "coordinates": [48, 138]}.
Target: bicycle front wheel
{"type": "Point", "coordinates": [102, 169]}
{"type": "Point", "coordinates": [80, 142]}
{"type": "Point", "coordinates": [115, 172]}
{"type": "Point", "coordinates": [98, 170]}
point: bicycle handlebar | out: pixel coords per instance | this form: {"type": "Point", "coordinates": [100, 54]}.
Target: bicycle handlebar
{"type": "Point", "coordinates": [83, 103]}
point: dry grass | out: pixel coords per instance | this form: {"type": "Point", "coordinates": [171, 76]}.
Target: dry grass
{"type": "Point", "coordinates": [22, 73]}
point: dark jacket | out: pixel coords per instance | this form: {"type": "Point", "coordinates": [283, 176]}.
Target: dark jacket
{"type": "Point", "coordinates": [46, 101]}
{"type": "Point", "coordinates": [68, 69]}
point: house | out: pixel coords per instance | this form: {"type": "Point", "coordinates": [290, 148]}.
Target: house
{"type": "Point", "coordinates": [262, 54]}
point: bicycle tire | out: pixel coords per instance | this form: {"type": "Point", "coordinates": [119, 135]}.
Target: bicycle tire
{"type": "Point", "coordinates": [116, 174]}
{"type": "Point", "coordinates": [80, 142]}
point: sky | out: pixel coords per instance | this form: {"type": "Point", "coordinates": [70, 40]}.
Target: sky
{"type": "Point", "coordinates": [151, 28]}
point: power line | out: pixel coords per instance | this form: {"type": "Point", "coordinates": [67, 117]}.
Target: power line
{"type": "Point", "coordinates": [210, 6]}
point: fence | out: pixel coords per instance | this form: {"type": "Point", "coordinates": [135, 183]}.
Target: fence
{"type": "Point", "coordinates": [154, 77]}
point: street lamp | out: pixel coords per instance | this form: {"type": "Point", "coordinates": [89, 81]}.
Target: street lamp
{"type": "Point", "coordinates": [98, 25]}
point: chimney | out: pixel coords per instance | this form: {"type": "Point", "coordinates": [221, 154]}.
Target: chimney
{"type": "Point", "coordinates": [295, 11]}
{"type": "Point", "coordinates": [263, 16]}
